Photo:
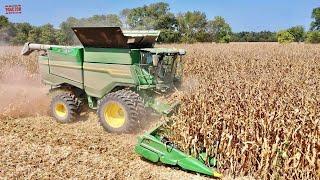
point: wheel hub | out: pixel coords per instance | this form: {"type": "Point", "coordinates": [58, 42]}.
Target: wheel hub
{"type": "Point", "coordinates": [61, 110]}
{"type": "Point", "coordinates": [114, 115]}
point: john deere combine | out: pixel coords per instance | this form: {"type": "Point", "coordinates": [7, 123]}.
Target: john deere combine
{"type": "Point", "coordinates": [120, 74]}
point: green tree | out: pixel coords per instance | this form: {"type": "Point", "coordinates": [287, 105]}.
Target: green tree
{"type": "Point", "coordinates": [298, 33]}
{"type": "Point", "coordinates": [95, 20]}
{"type": "Point", "coordinates": [7, 30]}
{"type": "Point", "coordinates": [190, 24]}
{"type": "Point", "coordinates": [262, 36]}
{"type": "Point", "coordinates": [34, 35]}
{"type": "Point", "coordinates": [136, 18]}
{"type": "Point", "coordinates": [65, 28]}
{"type": "Point", "coordinates": [153, 16]}
{"type": "Point", "coordinates": [48, 34]}
{"type": "Point", "coordinates": [8, 33]}
{"type": "Point", "coordinates": [124, 17]}
{"type": "Point", "coordinates": [219, 30]}
{"type": "Point", "coordinates": [285, 37]}
{"type": "Point", "coordinates": [315, 25]}
{"type": "Point", "coordinates": [167, 21]}
{"type": "Point", "coordinates": [313, 37]}
{"type": "Point", "coordinates": [60, 37]}
{"type": "Point", "coordinates": [113, 20]}
{"type": "Point", "coordinates": [68, 35]}
{"type": "Point", "coordinates": [169, 36]}
{"type": "Point", "coordinates": [4, 21]}
{"type": "Point", "coordinates": [22, 33]}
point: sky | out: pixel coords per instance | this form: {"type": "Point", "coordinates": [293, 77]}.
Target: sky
{"type": "Point", "coordinates": [242, 15]}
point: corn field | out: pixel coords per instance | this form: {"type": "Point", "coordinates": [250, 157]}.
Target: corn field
{"type": "Point", "coordinates": [255, 107]}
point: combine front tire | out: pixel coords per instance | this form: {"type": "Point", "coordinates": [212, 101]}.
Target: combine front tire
{"type": "Point", "coordinates": [119, 111]}
{"type": "Point", "coordinates": [64, 107]}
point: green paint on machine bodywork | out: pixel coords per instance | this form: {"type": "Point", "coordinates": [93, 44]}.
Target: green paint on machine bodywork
{"type": "Point", "coordinates": [163, 107]}
{"type": "Point", "coordinates": [142, 77]}
{"type": "Point", "coordinates": [67, 52]}
{"type": "Point", "coordinates": [112, 55]}
{"type": "Point", "coordinates": [156, 149]}
{"type": "Point", "coordinates": [135, 56]}
{"type": "Point", "coordinates": [100, 70]}
{"type": "Point", "coordinates": [65, 66]}
{"type": "Point", "coordinates": [107, 55]}
{"type": "Point", "coordinates": [99, 78]}
{"type": "Point", "coordinates": [96, 70]}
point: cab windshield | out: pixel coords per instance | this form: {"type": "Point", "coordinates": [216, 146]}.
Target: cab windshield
{"type": "Point", "coordinates": [164, 67]}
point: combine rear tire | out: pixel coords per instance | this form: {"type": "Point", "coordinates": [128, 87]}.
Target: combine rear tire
{"type": "Point", "coordinates": [119, 111]}
{"type": "Point", "coordinates": [64, 107]}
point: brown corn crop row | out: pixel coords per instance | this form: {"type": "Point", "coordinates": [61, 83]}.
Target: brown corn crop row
{"type": "Point", "coordinates": [255, 107]}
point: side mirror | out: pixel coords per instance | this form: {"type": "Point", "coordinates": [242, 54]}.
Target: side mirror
{"type": "Point", "coordinates": [155, 60]}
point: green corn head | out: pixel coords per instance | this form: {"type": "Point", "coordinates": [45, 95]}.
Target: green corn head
{"type": "Point", "coordinates": [155, 148]}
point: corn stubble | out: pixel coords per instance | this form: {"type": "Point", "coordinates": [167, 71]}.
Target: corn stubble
{"type": "Point", "coordinates": [255, 107]}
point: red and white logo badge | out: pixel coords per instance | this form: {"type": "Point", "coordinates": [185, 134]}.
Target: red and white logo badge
{"type": "Point", "coordinates": [13, 9]}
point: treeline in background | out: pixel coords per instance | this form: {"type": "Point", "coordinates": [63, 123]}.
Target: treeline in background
{"type": "Point", "coordinates": [188, 27]}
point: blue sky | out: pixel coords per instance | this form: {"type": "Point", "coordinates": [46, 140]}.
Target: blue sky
{"type": "Point", "coordinates": [243, 15]}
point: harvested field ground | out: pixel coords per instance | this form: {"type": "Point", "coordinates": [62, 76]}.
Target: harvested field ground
{"type": "Point", "coordinates": [40, 148]}
{"type": "Point", "coordinates": [33, 145]}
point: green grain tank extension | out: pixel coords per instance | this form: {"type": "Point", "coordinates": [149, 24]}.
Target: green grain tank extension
{"type": "Point", "coordinates": [119, 73]}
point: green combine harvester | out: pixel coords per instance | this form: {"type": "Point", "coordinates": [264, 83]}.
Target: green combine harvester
{"type": "Point", "coordinates": [120, 74]}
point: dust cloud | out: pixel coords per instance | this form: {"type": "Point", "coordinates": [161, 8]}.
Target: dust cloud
{"type": "Point", "coordinates": [22, 94]}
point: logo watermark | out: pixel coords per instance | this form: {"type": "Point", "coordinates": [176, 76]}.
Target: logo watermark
{"type": "Point", "coordinates": [13, 9]}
